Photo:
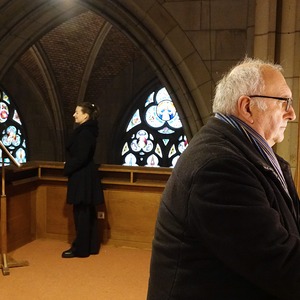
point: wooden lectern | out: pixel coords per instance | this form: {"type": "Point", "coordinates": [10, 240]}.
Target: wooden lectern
{"type": "Point", "coordinates": [5, 265]}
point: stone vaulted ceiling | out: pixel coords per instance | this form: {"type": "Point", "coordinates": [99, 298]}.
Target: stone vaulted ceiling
{"type": "Point", "coordinates": [81, 54]}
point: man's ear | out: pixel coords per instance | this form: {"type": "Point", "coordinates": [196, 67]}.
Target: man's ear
{"type": "Point", "coordinates": [244, 109]}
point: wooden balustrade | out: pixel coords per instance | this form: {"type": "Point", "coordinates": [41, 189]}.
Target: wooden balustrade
{"type": "Point", "coordinates": [36, 205]}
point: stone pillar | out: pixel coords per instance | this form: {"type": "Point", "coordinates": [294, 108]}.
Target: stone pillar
{"type": "Point", "coordinates": [276, 40]}
{"type": "Point", "coordinates": [265, 29]}
{"type": "Point", "coordinates": [287, 54]}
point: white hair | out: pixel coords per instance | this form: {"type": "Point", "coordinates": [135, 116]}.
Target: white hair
{"type": "Point", "coordinates": [243, 79]}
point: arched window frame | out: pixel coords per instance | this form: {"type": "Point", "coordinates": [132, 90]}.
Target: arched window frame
{"type": "Point", "coordinates": [12, 130]}
{"type": "Point", "coordinates": [146, 145]}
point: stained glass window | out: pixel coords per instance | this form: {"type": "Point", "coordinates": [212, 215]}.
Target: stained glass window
{"type": "Point", "coordinates": [12, 131]}
{"type": "Point", "coordinates": [154, 135]}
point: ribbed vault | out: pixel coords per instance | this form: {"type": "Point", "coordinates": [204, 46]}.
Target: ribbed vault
{"type": "Point", "coordinates": [67, 51]}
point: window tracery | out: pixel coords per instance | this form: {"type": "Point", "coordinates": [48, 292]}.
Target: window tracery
{"type": "Point", "coordinates": [12, 131]}
{"type": "Point", "coordinates": [154, 135]}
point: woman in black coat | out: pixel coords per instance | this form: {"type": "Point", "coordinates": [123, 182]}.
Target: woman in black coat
{"type": "Point", "coordinates": [84, 187]}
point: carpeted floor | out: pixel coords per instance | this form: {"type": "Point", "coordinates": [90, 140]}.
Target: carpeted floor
{"type": "Point", "coordinates": [114, 274]}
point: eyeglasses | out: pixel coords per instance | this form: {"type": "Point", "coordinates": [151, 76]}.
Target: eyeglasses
{"type": "Point", "coordinates": [289, 101]}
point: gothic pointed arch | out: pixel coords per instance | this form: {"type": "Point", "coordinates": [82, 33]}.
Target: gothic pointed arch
{"type": "Point", "coordinates": [12, 132]}
{"type": "Point", "coordinates": [153, 135]}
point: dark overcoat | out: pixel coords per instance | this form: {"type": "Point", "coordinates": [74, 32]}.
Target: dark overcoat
{"type": "Point", "coordinates": [83, 181]}
{"type": "Point", "coordinates": [226, 228]}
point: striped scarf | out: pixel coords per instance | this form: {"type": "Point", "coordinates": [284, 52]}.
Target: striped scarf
{"type": "Point", "coordinates": [260, 144]}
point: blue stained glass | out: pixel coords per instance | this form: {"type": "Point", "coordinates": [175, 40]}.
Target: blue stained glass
{"type": "Point", "coordinates": [130, 160]}
{"type": "Point", "coordinates": [175, 122]}
{"type": "Point", "coordinates": [166, 110]}
{"type": "Point", "coordinates": [142, 134]}
{"type": "Point", "coordinates": [12, 132]}
{"type": "Point", "coordinates": [152, 118]}
{"type": "Point", "coordinates": [166, 130]}
{"type": "Point", "coordinates": [152, 161]}
{"type": "Point", "coordinates": [162, 95]}
{"type": "Point", "coordinates": [165, 141]}
{"type": "Point", "coordinates": [135, 120]}
{"type": "Point", "coordinates": [181, 147]}
{"type": "Point", "coordinates": [174, 161]}
{"type": "Point", "coordinates": [149, 146]}
{"type": "Point", "coordinates": [149, 99]}
{"type": "Point", "coordinates": [4, 112]}
{"type": "Point", "coordinates": [135, 146]}
{"type": "Point", "coordinates": [146, 143]}
{"type": "Point", "coordinates": [142, 142]}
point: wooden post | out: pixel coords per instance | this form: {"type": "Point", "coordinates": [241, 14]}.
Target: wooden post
{"type": "Point", "coordinates": [3, 206]}
{"type": "Point", "coordinates": [5, 269]}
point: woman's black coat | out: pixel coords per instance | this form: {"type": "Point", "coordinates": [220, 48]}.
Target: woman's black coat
{"type": "Point", "coordinates": [84, 185]}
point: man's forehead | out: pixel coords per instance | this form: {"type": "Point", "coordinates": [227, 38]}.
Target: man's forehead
{"type": "Point", "coordinates": [273, 78]}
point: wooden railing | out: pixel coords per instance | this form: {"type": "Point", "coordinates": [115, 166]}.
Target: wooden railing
{"type": "Point", "coordinates": [36, 203]}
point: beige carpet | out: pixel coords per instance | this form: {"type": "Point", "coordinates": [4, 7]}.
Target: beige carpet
{"type": "Point", "coordinates": [114, 274]}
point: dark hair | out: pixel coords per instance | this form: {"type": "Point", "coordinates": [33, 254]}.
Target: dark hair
{"type": "Point", "coordinates": [91, 109]}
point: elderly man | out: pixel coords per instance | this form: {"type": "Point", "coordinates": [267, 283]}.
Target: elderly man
{"type": "Point", "coordinates": [228, 223]}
